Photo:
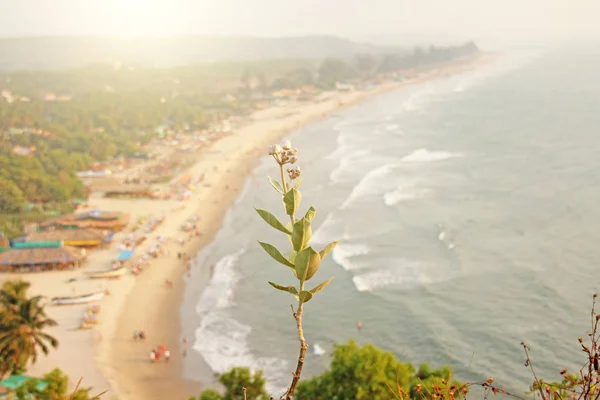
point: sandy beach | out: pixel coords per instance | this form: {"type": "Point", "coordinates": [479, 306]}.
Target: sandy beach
{"type": "Point", "coordinates": [107, 357]}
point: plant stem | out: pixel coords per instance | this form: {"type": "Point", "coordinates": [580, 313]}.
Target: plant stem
{"type": "Point", "coordinates": [303, 347]}
{"type": "Point", "coordinates": [285, 190]}
{"type": "Point", "coordinates": [283, 178]}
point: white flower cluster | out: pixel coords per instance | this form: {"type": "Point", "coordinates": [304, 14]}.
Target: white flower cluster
{"type": "Point", "coordinates": [284, 154]}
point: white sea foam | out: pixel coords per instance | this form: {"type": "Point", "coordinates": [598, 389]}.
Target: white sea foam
{"type": "Point", "coordinates": [223, 343]}
{"type": "Point", "coordinates": [219, 292]}
{"type": "Point", "coordinates": [318, 350]}
{"type": "Point", "coordinates": [368, 185]}
{"type": "Point", "coordinates": [392, 127]}
{"type": "Point", "coordinates": [407, 275]}
{"type": "Point", "coordinates": [344, 252]}
{"type": "Point", "coordinates": [424, 155]}
{"type": "Point", "coordinates": [405, 191]}
{"type": "Point", "coordinates": [221, 340]}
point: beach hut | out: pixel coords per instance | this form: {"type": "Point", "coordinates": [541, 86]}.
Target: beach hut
{"type": "Point", "coordinates": [40, 259]}
{"type": "Point", "coordinates": [37, 244]}
{"type": "Point", "coordinates": [70, 237]}
{"type": "Point", "coordinates": [96, 219]}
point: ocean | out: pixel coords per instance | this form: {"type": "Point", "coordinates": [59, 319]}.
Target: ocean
{"type": "Point", "coordinates": [467, 212]}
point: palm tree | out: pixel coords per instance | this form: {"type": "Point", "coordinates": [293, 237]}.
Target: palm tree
{"type": "Point", "coordinates": [12, 294]}
{"type": "Point", "coordinates": [22, 322]}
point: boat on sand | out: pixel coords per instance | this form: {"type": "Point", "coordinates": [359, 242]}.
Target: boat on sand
{"type": "Point", "coordinates": [84, 298]}
{"type": "Point", "coordinates": [111, 273]}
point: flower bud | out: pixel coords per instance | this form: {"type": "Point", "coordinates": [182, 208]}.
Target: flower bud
{"type": "Point", "coordinates": [287, 145]}
{"type": "Point", "coordinates": [293, 159]}
{"type": "Point", "coordinates": [274, 149]}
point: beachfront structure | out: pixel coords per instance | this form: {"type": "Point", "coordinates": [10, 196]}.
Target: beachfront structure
{"type": "Point", "coordinates": [68, 237]}
{"type": "Point", "coordinates": [96, 219]}
{"type": "Point", "coordinates": [127, 190]}
{"type": "Point", "coordinates": [9, 385]}
{"type": "Point", "coordinates": [41, 259]}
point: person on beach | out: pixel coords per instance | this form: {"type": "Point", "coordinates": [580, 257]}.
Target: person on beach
{"type": "Point", "coordinates": [185, 343]}
{"type": "Point", "coordinates": [135, 335]}
{"type": "Point", "coordinates": [359, 325]}
{"type": "Point", "coordinates": [167, 355]}
{"type": "Point", "coordinates": [152, 356]}
{"type": "Point", "coordinates": [141, 335]}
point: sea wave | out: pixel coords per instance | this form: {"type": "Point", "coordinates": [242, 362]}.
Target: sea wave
{"type": "Point", "coordinates": [220, 339]}
{"type": "Point", "coordinates": [407, 275]}
{"type": "Point", "coordinates": [368, 185]}
{"type": "Point", "coordinates": [219, 292]}
{"type": "Point", "coordinates": [344, 252]}
{"type": "Point", "coordinates": [405, 191]}
{"type": "Point", "coordinates": [424, 155]}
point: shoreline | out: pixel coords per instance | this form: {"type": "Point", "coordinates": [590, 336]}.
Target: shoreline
{"type": "Point", "coordinates": [109, 357]}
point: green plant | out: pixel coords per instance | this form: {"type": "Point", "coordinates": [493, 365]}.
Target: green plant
{"type": "Point", "coordinates": [56, 389]}
{"type": "Point", "coordinates": [368, 373]}
{"type": "Point", "coordinates": [303, 260]}
{"type": "Point", "coordinates": [23, 323]}
{"type": "Point", "coordinates": [240, 384]}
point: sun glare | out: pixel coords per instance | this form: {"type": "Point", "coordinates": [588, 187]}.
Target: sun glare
{"type": "Point", "coordinates": [144, 18]}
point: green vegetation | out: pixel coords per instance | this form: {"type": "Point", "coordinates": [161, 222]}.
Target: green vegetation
{"type": "Point", "coordinates": [368, 373]}
{"type": "Point", "coordinates": [239, 384]}
{"type": "Point", "coordinates": [23, 323]}
{"type": "Point", "coordinates": [360, 373]}
{"type": "Point", "coordinates": [57, 389]}
{"type": "Point", "coordinates": [22, 338]}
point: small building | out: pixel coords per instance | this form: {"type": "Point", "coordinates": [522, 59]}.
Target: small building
{"type": "Point", "coordinates": [41, 259]}
{"type": "Point", "coordinates": [70, 237]}
{"type": "Point", "coordinates": [95, 219]}
{"type": "Point", "coordinates": [124, 190]}
{"type": "Point", "coordinates": [9, 385]}
{"type": "Point", "coordinates": [23, 151]}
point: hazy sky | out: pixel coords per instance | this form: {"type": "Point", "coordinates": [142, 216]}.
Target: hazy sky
{"type": "Point", "coordinates": [351, 18]}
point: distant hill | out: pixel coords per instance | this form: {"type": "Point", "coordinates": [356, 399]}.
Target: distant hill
{"type": "Point", "coordinates": [69, 52]}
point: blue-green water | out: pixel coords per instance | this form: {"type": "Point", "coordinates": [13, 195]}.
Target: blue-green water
{"type": "Point", "coordinates": [467, 209]}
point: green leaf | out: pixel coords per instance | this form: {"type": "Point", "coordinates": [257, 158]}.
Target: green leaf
{"type": "Point", "coordinates": [277, 185]}
{"type": "Point", "coordinates": [301, 234]}
{"type": "Point", "coordinates": [321, 286]}
{"type": "Point", "coordinates": [289, 289]}
{"type": "Point", "coordinates": [313, 265]}
{"type": "Point", "coordinates": [292, 259]}
{"type": "Point", "coordinates": [276, 254]}
{"type": "Point", "coordinates": [272, 220]}
{"type": "Point", "coordinates": [304, 296]}
{"type": "Point", "coordinates": [292, 256]}
{"type": "Point", "coordinates": [298, 182]}
{"type": "Point", "coordinates": [323, 253]}
{"type": "Point", "coordinates": [290, 228]}
{"type": "Point", "coordinates": [310, 214]}
{"type": "Point", "coordinates": [306, 263]}
{"type": "Point", "coordinates": [292, 201]}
